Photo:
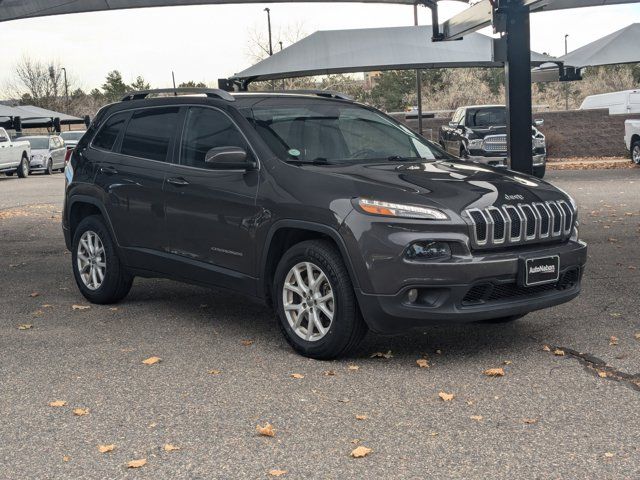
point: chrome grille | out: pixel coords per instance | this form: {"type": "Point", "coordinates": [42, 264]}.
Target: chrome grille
{"type": "Point", "coordinates": [523, 223]}
{"type": "Point", "coordinates": [495, 143]}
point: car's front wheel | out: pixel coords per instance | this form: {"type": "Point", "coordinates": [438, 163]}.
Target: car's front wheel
{"type": "Point", "coordinates": [49, 169]}
{"type": "Point", "coordinates": [540, 172]}
{"type": "Point", "coordinates": [99, 274]}
{"type": "Point", "coordinates": [315, 301]}
{"type": "Point", "coordinates": [23, 168]}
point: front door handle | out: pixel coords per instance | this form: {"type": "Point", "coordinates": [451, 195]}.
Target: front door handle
{"type": "Point", "coordinates": [108, 170]}
{"type": "Point", "coordinates": [179, 181]}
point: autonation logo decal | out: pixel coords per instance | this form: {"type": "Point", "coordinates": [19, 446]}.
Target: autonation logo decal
{"type": "Point", "coordinates": [543, 269]}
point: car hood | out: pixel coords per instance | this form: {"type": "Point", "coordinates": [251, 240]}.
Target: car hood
{"type": "Point", "coordinates": [451, 185]}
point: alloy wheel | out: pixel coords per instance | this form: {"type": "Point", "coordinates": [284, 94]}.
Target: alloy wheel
{"type": "Point", "coordinates": [91, 260]}
{"type": "Point", "coordinates": [636, 154]}
{"type": "Point", "coordinates": [308, 301]}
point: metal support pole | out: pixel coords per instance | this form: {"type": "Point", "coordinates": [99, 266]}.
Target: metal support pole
{"type": "Point", "coordinates": [268, 10]}
{"type": "Point", "coordinates": [66, 90]}
{"type": "Point", "coordinates": [518, 87]}
{"type": "Point", "coordinates": [418, 76]}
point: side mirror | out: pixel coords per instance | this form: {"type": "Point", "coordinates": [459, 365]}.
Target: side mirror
{"type": "Point", "coordinates": [3, 139]}
{"type": "Point", "coordinates": [228, 158]}
{"type": "Point", "coordinates": [539, 122]}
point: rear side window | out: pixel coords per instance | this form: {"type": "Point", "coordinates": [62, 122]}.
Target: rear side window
{"type": "Point", "coordinates": [106, 137]}
{"type": "Point", "coordinates": [149, 133]}
{"type": "Point", "coordinates": [206, 129]}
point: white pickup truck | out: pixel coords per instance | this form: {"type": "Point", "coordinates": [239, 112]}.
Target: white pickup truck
{"type": "Point", "coordinates": [14, 156]}
{"type": "Point", "coordinates": [632, 139]}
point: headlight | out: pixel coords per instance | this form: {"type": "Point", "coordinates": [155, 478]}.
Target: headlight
{"type": "Point", "coordinates": [376, 207]}
{"type": "Point", "coordinates": [539, 143]}
{"type": "Point", "coordinates": [477, 143]}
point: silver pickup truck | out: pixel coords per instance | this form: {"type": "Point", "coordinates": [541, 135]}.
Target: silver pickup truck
{"type": "Point", "coordinates": [632, 139]}
{"type": "Point", "coordinates": [14, 155]}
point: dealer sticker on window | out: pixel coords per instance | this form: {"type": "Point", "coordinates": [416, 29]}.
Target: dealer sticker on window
{"type": "Point", "coordinates": [542, 270]}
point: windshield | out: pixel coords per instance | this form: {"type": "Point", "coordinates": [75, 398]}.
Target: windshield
{"type": "Point", "coordinates": [333, 132]}
{"type": "Point", "coordinates": [71, 135]}
{"type": "Point", "coordinates": [37, 143]}
{"type": "Point", "coordinates": [487, 117]}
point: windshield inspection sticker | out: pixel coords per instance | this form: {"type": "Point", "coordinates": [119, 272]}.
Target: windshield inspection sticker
{"type": "Point", "coordinates": [294, 152]}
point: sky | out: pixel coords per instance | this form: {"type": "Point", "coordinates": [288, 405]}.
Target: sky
{"type": "Point", "coordinates": [204, 43]}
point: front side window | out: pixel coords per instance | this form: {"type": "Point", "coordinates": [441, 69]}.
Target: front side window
{"type": "Point", "coordinates": [206, 128]}
{"type": "Point", "coordinates": [149, 133]}
{"type": "Point", "coordinates": [338, 133]}
{"type": "Point", "coordinates": [108, 134]}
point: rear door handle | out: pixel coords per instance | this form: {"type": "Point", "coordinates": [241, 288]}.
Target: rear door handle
{"type": "Point", "coordinates": [108, 170]}
{"type": "Point", "coordinates": [179, 181]}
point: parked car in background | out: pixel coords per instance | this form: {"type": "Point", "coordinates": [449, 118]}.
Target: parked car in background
{"type": "Point", "coordinates": [338, 216]}
{"type": "Point", "coordinates": [47, 153]}
{"type": "Point", "coordinates": [618, 103]}
{"type": "Point", "coordinates": [14, 155]}
{"type": "Point", "coordinates": [479, 133]}
{"type": "Point", "coordinates": [632, 139]}
{"type": "Point", "coordinates": [71, 138]}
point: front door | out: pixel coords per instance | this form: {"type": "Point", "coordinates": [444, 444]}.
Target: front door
{"type": "Point", "coordinates": [211, 214]}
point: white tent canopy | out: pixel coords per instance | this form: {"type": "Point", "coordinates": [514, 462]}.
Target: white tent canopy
{"type": "Point", "coordinates": [371, 49]}
{"type": "Point", "coordinates": [622, 46]}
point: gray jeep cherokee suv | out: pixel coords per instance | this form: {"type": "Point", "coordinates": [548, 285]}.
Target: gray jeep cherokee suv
{"type": "Point", "coordinates": [336, 215]}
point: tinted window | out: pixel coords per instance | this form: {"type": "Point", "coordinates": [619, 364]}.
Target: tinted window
{"type": "Point", "coordinates": [206, 129]}
{"type": "Point", "coordinates": [108, 134]}
{"type": "Point", "coordinates": [77, 135]}
{"type": "Point", "coordinates": [487, 117]}
{"type": "Point", "coordinates": [149, 133]}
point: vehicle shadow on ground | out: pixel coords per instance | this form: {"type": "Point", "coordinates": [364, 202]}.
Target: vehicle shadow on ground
{"type": "Point", "coordinates": [235, 316]}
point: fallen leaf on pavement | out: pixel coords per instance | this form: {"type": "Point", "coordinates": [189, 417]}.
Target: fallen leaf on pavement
{"type": "Point", "coordinates": [137, 463]}
{"type": "Point", "coordinates": [246, 343]}
{"type": "Point", "coordinates": [170, 448]}
{"type": "Point", "coordinates": [214, 372]}
{"type": "Point", "coordinates": [277, 473]}
{"type": "Point", "coordinates": [361, 417]}
{"type": "Point", "coordinates": [546, 348]}
{"type": "Point", "coordinates": [439, 352]}
{"type": "Point", "coordinates": [296, 375]}
{"type": "Point", "coordinates": [382, 355]}
{"type": "Point", "coordinates": [446, 397]}
{"type": "Point", "coordinates": [422, 363]}
{"type": "Point", "coordinates": [106, 448]}
{"type": "Point", "coordinates": [266, 431]}
{"type": "Point", "coordinates": [356, 367]}
{"type": "Point", "coordinates": [47, 305]}
{"type": "Point", "coordinates": [34, 294]}
{"type": "Point", "coordinates": [113, 309]}
{"type": "Point", "coordinates": [57, 403]}
{"type": "Point", "coordinates": [25, 326]}
{"type": "Point", "coordinates": [494, 372]}
{"type": "Point", "coordinates": [530, 421]}
{"type": "Point", "coordinates": [507, 362]}
{"type": "Point", "coordinates": [613, 340]}
{"type": "Point", "coordinates": [329, 373]}
{"type": "Point", "coordinates": [151, 360]}
{"type": "Point", "coordinates": [80, 307]}
{"type": "Point", "coordinates": [477, 418]}
{"type": "Point", "coordinates": [80, 412]}
{"type": "Point", "coordinates": [637, 335]}
{"type": "Point", "coordinates": [558, 352]}
{"type": "Point", "coordinates": [360, 452]}
{"type": "Point", "coordinates": [602, 374]}
{"type": "Point", "coordinates": [66, 458]}
{"type": "Point", "coordinates": [609, 455]}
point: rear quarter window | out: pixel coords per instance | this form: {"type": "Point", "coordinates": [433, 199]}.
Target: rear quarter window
{"type": "Point", "coordinates": [108, 134]}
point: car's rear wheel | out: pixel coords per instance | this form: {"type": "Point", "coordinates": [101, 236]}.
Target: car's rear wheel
{"type": "Point", "coordinates": [23, 168]}
{"type": "Point", "coordinates": [315, 301]}
{"type": "Point", "coordinates": [635, 152]}
{"type": "Point", "coordinates": [49, 169]}
{"type": "Point", "coordinates": [97, 269]}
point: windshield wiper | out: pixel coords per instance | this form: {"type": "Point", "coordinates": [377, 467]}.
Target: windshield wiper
{"type": "Point", "coordinates": [315, 161]}
{"type": "Point", "coordinates": [399, 158]}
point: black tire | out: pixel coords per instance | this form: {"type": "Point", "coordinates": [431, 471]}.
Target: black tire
{"type": "Point", "coordinates": [497, 321]}
{"type": "Point", "coordinates": [540, 172]}
{"type": "Point", "coordinates": [635, 152]}
{"type": "Point", "coordinates": [117, 281]}
{"type": "Point", "coordinates": [49, 169]}
{"type": "Point", "coordinates": [347, 328]}
{"type": "Point", "coordinates": [23, 168]}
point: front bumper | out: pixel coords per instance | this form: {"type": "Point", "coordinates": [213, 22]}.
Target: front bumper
{"type": "Point", "coordinates": [481, 287]}
{"type": "Point", "coordinates": [539, 160]}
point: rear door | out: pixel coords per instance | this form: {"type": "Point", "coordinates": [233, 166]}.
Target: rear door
{"type": "Point", "coordinates": [211, 214]}
{"type": "Point", "coordinates": [133, 177]}
{"type": "Point", "coordinates": [57, 155]}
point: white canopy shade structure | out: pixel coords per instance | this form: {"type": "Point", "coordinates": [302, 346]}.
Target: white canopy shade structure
{"type": "Point", "coordinates": [372, 49]}
{"type": "Point", "coordinates": [619, 47]}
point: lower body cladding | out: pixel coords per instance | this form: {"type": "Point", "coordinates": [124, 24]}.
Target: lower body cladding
{"type": "Point", "coordinates": [484, 286]}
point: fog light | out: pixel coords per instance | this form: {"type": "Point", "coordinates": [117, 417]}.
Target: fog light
{"type": "Point", "coordinates": [428, 251]}
{"type": "Point", "coordinates": [412, 295]}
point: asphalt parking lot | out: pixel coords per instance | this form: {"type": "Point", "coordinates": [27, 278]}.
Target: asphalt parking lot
{"type": "Point", "coordinates": [225, 369]}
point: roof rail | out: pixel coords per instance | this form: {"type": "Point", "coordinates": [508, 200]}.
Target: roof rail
{"type": "Point", "coordinates": [319, 93]}
{"type": "Point", "coordinates": [209, 92]}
